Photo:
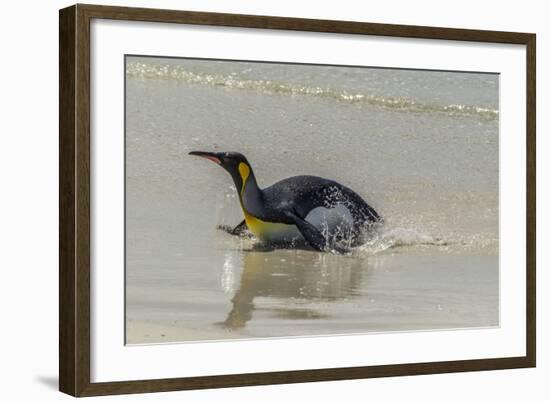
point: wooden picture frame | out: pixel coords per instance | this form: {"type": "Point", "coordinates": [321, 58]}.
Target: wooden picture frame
{"type": "Point", "coordinates": [74, 199]}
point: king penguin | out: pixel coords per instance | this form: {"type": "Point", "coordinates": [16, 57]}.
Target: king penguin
{"type": "Point", "coordinates": [328, 215]}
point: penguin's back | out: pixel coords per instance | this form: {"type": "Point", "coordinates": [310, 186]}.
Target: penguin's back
{"type": "Point", "coordinates": [310, 194]}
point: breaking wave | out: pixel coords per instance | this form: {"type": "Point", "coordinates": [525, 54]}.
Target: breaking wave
{"type": "Point", "coordinates": [143, 71]}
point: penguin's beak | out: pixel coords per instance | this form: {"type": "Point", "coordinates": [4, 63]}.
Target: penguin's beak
{"type": "Point", "coordinates": [207, 155]}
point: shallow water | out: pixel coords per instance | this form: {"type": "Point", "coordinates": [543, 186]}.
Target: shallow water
{"type": "Point", "coordinates": [421, 147]}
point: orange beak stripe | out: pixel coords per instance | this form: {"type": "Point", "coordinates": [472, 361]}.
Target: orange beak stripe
{"type": "Point", "coordinates": [213, 158]}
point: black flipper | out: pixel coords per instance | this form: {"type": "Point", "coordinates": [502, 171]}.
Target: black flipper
{"type": "Point", "coordinates": [312, 235]}
{"type": "Point", "coordinates": [238, 230]}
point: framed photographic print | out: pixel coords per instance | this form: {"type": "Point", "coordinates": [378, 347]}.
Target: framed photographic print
{"type": "Point", "coordinates": [251, 200]}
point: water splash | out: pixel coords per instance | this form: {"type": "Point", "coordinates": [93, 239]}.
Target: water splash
{"type": "Point", "coordinates": [385, 239]}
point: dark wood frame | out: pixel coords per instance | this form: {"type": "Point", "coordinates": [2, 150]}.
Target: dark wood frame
{"type": "Point", "coordinates": [74, 199]}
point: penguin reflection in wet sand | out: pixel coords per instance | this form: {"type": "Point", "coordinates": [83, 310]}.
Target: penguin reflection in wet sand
{"type": "Point", "coordinates": [328, 215]}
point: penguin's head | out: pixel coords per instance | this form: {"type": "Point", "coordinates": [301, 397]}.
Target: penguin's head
{"type": "Point", "coordinates": [233, 162]}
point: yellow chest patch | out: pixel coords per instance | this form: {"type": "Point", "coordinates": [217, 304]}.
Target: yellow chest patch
{"type": "Point", "coordinates": [266, 230]}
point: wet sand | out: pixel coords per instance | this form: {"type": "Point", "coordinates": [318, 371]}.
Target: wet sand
{"type": "Point", "coordinates": [297, 292]}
